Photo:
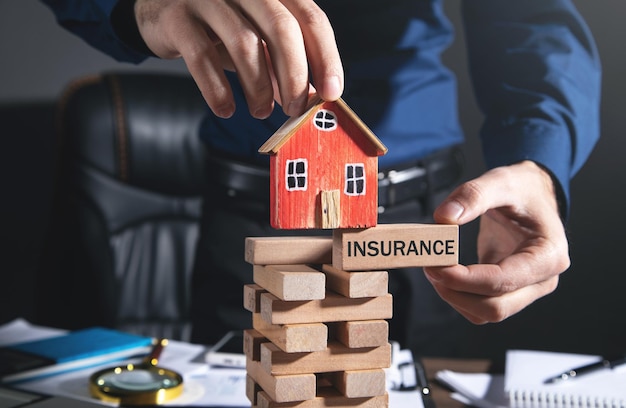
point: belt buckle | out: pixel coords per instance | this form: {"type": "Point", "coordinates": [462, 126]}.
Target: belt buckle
{"type": "Point", "coordinates": [394, 178]}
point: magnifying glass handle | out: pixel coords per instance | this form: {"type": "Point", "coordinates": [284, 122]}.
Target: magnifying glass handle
{"type": "Point", "coordinates": [155, 353]}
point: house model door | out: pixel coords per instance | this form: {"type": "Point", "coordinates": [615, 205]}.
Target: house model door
{"type": "Point", "coordinates": [330, 209]}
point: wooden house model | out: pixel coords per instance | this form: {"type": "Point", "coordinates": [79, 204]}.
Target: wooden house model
{"type": "Point", "coordinates": [324, 169]}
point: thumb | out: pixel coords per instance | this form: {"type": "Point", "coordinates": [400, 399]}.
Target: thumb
{"type": "Point", "coordinates": [474, 198]}
{"type": "Point", "coordinates": [450, 211]}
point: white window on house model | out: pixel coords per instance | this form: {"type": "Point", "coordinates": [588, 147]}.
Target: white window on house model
{"type": "Point", "coordinates": [355, 179]}
{"type": "Point", "coordinates": [296, 174]}
{"type": "Point", "coordinates": [325, 120]}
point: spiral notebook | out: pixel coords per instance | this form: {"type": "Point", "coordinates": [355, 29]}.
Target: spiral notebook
{"type": "Point", "coordinates": [527, 370]}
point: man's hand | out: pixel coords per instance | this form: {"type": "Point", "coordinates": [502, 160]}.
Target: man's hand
{"type": "Point", "coordinates": [522, 246]}
{"type": "Point", "coordinates": [269, 43]}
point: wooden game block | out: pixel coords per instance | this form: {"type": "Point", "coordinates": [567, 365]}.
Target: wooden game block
{"type": "Point", "coordinates": [252, 390]}
{"type": "Point", "coordinates": [293, 338]}
{"type": "Point", "coordinates": [291, 282]}
{"type": "Point", "coordinates": [356, 284]}
{"type": "Point", "coordinates": [359, 383]}
{"type": "Point", "coordinates": [252, 340]}
{"type": "Point", "coordinates": [333, 308]}
{"type": "Point", "coordinates": [252, 297]}
{"type": "Point", "coordinates": [336, 357]}
{"type": "Point", "coordinates": [288, 250]}
{"type": "Point", "coordinates": [389, 246]}
{"type": "Point", "coordinates": [283, 388]}
{"type": "Point", "coordinates": [360, 333]}
{"type": "Point", "coordinates": [326, 398]}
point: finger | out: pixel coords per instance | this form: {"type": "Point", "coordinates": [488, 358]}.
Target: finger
{"type": "Point", "coordinates": [282, 34]}
{"type": "Point", "coordinates": [245, 48]}
{"type": "Point", "coordinates": [449, 296]}
{"type": "Point", "coordinates": [311, 92]}
{"type": "Point", "coordinates": [484, 281]}
{"type": "Point", "coordinates": [486, 309]}
{"type": "Point", "coordinates": [515, 188]}
{"type": "Point", "coordinates": [473, 198]}
{"type": "Point", "coordinates": [499, 236]}
{"type": "Point", "coordinates": [523, 268]}
{"type": "Point", "coordinates": [321, 48]}
{"type": "Point", "coordinates": [171, 31]}
{"type": "Point", "coordinates": [204, 64]}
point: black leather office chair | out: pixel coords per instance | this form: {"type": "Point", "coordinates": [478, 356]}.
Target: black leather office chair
{"type": "Point", "coordinates": [128, 205]}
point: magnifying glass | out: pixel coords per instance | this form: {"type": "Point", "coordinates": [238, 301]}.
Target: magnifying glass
{"type": "Point", "coordinates": [140, 384]}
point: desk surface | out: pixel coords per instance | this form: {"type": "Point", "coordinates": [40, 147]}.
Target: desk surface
{"type": "Point", "coordinates": [441, 396]}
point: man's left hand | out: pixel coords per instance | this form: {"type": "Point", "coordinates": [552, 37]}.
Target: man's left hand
{"type": "Point", "coordinates": [522, 245]}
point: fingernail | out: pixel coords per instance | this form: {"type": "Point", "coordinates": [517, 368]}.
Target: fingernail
{"type": "Point", "coordinates": [432, 275]}
{"type": "Point", "coordinates": [262, 113]}
{"type": "Point", "coordinates": [451, 210]}
{"type": "Point", "coordinates": [225, 111]}
{"type": "Point", "coordinates": [332, 88]}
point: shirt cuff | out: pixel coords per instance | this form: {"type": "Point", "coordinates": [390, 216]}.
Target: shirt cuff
{"type": "Point", "coordinates": [125, 27]}
{"type": "Point", "coordinates": [543, 143]}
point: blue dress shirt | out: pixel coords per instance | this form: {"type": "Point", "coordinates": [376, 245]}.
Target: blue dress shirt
{"type": "Point", "coordinates": [534, 67]}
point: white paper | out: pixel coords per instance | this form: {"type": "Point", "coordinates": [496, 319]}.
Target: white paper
{"type": "Point", "coordinates": [526, 371]}
{"type": "Point", "coordinates": [224, 387]}
{"type": "Point", "coordinates": [478, 389]}
{"type": "Point", "coordinates": [20, 331]}
{"type": "Point", "coordinates": [405, 399]}
{"type": "Point", "coordinates": [177, 356]}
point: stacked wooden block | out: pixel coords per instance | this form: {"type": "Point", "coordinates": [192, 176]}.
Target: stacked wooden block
{"type": "Point", "coordinates": [320, 334]}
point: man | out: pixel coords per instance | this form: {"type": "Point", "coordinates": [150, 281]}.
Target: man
{"type": "Point", "coordinates": [536, 74]}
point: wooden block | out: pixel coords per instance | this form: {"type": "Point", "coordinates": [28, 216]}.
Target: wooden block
{"type": "Point", "coordinates": [326, 398]}
{"type": "Point", "coordinates": [361, 333]}
{"type": "Point", "coordinates": [333, 308]}
{"type": "Point", "coordinates": [283, 388]}
{"type": "Point", "coordinates": [359, 383]}
{"type": "Point", "coordinates": [336, 357]}
{"type": "Point", "coordinates": [291, 282]}
{"type": "Point", "coordinates": [252, 341]}
{"type": "Point", "coordinates": [252, 297]}
{"type": "Point", "coordinates": [252, 390]}
{"type": "Point", "coordinates": [389, 246]}
{"type": "Point", "coordinates": [288, 250]}
{"type": "Point", "coordinates": [356, 284]}
{"type": "Point", "coordinates": [293, 338]}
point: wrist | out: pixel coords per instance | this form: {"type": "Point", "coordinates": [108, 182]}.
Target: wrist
{"type": "Point", "coordinates": [552, 185]}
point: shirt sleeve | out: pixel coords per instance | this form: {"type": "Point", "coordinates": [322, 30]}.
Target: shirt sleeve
{"type": "Point", "coordinates": [537, 77]}
{"type": "Point", "coordinates": [107, 25]}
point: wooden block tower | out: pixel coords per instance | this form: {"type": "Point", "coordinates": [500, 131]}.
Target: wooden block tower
{"type": "Point", "coordinates": [320, 304]}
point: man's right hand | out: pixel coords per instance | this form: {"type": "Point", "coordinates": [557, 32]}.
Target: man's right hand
{"type": "Point", "coordinates": [269, 43]}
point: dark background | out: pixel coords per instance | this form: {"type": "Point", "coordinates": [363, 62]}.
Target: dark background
{"type": "Point", "coordinates": [586, 314]}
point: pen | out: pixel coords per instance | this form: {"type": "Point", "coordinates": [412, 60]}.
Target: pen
{"type": "Point", "coordinates": [421, 381]}
{"type": "Point", "coordinates": [605, 363]}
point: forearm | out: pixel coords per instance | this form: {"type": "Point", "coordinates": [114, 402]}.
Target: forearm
{"type": "Point", "coordinates": [537, 75]}
{"type": "Point", "coordinates": [107, 25]}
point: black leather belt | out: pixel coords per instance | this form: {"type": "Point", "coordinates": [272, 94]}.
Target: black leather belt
{"type": "Point", "coordinates": [246, 185]}
{"type": "Point", "coordinates": [418, 180]}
